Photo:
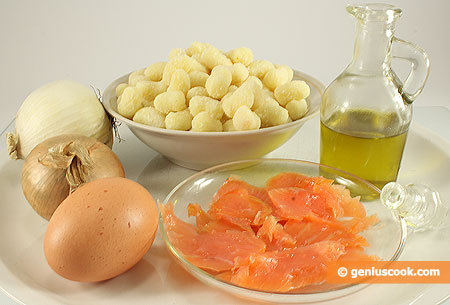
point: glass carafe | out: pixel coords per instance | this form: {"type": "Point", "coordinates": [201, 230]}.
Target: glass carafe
{"type": "Point", "coordinates": [366, 111]}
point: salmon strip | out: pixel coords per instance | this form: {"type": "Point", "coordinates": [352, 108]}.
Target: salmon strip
{"type": "Point", "coordinates": [206, 223]}
{"type": "Point", "coordinates": [214, 250]}
{"type": "Point", "coordinates": [274, 235]}
{"type": "Point", "coordinates": [298, 203]}
{"type": "Point", "coordinates": [288, 269]}
{"type": "Point", "coordinates": [241, 208]}
{"type": "Point", "coordinates": [285, 180]}
{"type": "Point", "coordinates": [233, 183]}
{"type": "Point", "coordinates": [336, 196]}
{"type": "Point", "coordinates": [307, 233]}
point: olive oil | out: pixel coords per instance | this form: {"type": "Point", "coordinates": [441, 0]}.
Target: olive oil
{"type": "Point", "coordinates": [363, 143]}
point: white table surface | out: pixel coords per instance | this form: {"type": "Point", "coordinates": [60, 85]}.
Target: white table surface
{"type": "Point", "coordinates": [94, 42]}
{"type": "Point", "coordinates": [436, 120]}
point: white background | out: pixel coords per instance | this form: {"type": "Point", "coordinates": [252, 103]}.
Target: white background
{"type": "Point", "coordinates": [94, 42]}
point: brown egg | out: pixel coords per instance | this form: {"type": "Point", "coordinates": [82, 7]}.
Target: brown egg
{"type": "Point", "coordinates": [101, 230]}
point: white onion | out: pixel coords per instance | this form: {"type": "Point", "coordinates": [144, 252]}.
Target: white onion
{"type": "Point", "coordinates": [60, 107]}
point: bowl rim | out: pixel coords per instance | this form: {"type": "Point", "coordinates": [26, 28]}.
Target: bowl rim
{"type": "Point", "coordinates": [110, 93]}
{"type": "Point", "coordinates": [345, 289]}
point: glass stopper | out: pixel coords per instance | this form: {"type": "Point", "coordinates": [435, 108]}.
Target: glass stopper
{"type": "Point", "coordinates": [418, 204]}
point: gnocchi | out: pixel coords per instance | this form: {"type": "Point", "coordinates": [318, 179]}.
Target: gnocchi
{"type": "Point", "coordinates": [287, 69]}
{"type": "Point", "coordinates": [180, 120]}
{"type": "Point", "coordinates": [120, 88]}
{"type": "Point", "coordinates": [170, 101]}
{"type": "Point", "coordinates": [150, 89]}
{"type": "Point", "coordinates": [239, 73]}
{"type": "Point", "coordinates": [211, 57]}
{"type": "Point", "coordinates": [131, 101]}
{"type": "Point", "coordinates": [259, 68]}
{"type": "Point", "coordinates": [241, 55]}
{"type": "Point", "coordinates": [155, 71]}
{"type": "Point", "coordinates": [276, 77]}
{"type": "Point", "coordinates": [241, 97]}
{"type": "Point", "coordinates": [232, 88]}
{"type": "Point", "coordinates": [252, 83]}
{"type": "Point", "coordinates": [203, 121]}
{"type": "Point", "coordinates": [297, 109]}
{"type": "Point", "coordinates": [261, 97]}
{"type": "Point", "coordinates": [201, 88]}
{"type": "Point", "coordinates": [136, 77]}
{"type": "Point", "coordinates": [175, 53]}
{"type": "Point", "coordinates": [205, 104]}
{"type": "Point", "coordinates": [197, 48]}
{"type": "Point", "coordinates": [218, 82]}
{"type": "Point", "coordinates": [198, 78]}
{"type": "Point", "coordinates": [228, 125]}
{"type": "Point", "coordinates": [180, 81]}
{"type": "Point", "coordinates": [149, 116]}
{"type": "Point", "coordinates": [183, 62]}
{"type": "Point", "coordinates": [271, 113]}
{"type": "Point", "coordinates": [195, 91]}
{"type": "Point", "coordinates": [245, 119]}
{"type": "Point", "coordinates": [294, 90]}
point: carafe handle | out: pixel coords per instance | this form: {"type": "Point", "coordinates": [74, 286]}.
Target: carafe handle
{"type": "Point", "coordinates": [420, 68]}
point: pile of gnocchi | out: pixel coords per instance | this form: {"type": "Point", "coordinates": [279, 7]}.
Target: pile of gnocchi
{"type": "Point", "coordinates": [204, 89]}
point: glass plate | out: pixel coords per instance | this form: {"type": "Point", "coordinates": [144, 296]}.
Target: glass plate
{"type": "Point", "coordinates": [386, 239]}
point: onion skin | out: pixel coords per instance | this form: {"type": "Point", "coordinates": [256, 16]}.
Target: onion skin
{"type": "Point", "coordinates": [59, 107]}
{"type": "Point", "coordinates": [46, 187]}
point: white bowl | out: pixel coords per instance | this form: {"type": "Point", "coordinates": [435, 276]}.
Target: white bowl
{"type": "Point", "coordinates": [200, 150]}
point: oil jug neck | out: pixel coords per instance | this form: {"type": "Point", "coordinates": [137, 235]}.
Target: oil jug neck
{"type": "Point", "coordinates": [374, 33]}
{"type": "Point", "coordinates": [371, 53]}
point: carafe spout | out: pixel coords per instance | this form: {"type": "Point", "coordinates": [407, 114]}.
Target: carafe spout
{"type": "Point", "coordinates": [374, 32]}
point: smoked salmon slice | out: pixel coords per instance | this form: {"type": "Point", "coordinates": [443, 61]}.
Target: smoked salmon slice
{"type": "Point", "coordinates": [214, 250]}
{"type": "Point", "coordinates": [206, 223]}
{"type": "Point", "coordinates": [274, 235]}
{"type": "Point", "coordinates": [279, 237]}
{"type": "Point", "coordinates": [217, 250]}
{"type": "Point", "coordinates": [307, 233]}
{"type": "Point", "coordinates": [356, 254]}
{"type": "Point", "coordinates": [298, 203]}
{"type": "Point", "coordinates": [288, 269]}
{"type": "Point", "coordinates": [285, 180]}
{"type": "Point", "coordinates": [239, 207]}
{"type": "Point", "coordinates": [233, 183]}
{"type": "Point", "coordinates": [337, 197]}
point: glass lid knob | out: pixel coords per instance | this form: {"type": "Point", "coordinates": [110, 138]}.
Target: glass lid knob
{"type": "Point", "coordinates": [419, 205]}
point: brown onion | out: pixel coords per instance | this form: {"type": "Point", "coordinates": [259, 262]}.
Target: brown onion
{"type": "Point", "coordinates": [59, 165]}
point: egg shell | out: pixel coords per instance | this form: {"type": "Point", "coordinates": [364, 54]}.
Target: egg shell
{"type": "Point", "coordinates": [101, 230]}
